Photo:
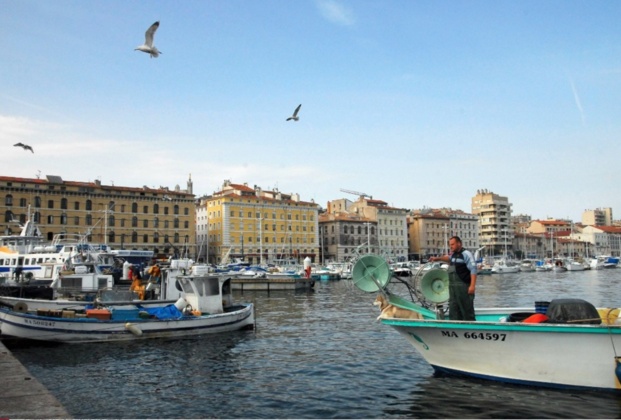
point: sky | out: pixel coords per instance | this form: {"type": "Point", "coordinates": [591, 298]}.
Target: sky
{"type": "Point", "coordinates": [417, 103]}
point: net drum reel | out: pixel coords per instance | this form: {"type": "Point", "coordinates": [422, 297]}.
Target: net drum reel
{"type": "Point", "coordinates": [371, 273]}
{"type": "Point", "coordinates": [431, 287]}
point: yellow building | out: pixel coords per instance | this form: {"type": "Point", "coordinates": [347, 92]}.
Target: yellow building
{"type": "Point", "coordinates": [255, 225]}
{"type": "Point", "coordinates": [160, 219]}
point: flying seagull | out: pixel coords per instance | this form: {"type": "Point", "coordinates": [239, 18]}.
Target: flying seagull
{"type": "Point", "coordinates": [148, 46]}
{"type": "Point", "coordinates": [25, 146]}
{"type": "Point", "coordinates": [295, 117]}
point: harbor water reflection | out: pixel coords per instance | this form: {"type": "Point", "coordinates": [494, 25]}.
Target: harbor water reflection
{"type": "Point", "coordinates": [313, 355]}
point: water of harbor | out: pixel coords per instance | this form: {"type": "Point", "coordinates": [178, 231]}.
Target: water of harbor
{"type": "Point", "coordinates": [313, 355]}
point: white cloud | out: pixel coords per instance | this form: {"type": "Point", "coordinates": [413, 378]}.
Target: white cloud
{"type": "Point", "coordinates": [336, 12]}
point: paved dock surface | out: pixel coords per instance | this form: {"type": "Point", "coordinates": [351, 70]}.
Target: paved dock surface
{"type": "Point", "coordinates": [21, 395]}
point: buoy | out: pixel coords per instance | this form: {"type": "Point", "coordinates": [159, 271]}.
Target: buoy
{"type": "Point", "coordinates": [133, 329]}
{"type": "Point", "coordinates": [181, 304]}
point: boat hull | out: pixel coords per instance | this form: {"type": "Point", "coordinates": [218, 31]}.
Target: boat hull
{"type": "Point", "coordinates": [88, 330]}
{"type": "Point", "coordinates": [555, 355]}
{"type": "Point", "coordinates": [268, 284]}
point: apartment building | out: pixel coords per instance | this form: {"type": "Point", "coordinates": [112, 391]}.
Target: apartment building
{"type": "Point", "coordinates": [597, 217]}
{"type": "Point", "coordinates": [391, 224]}
{"type": "Point", "coordinates": [430, 229]}
{"type": "Point", "coordinates": [345, 236]}
{"type": "Point", "coordinates": [157, 219]}
{"type": "Point", "coordinates": [494, 213]}
{"type": "Point", "coordinates": [256, 225]}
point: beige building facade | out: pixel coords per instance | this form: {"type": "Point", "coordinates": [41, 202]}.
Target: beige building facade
{"type": "Point", "coordinates": [121, 217]}
{"type": "Point", "coordinates": [495, 226]}
{"type": "Point", "coordinates": [256, 225]}
{"type": "Point", "coordinates": [430, 229]}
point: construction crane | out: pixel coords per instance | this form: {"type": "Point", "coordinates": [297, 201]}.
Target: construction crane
{"type": "Point", "coordinates": [358, 193]}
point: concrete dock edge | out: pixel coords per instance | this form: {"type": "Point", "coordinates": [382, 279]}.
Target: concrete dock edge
{"type": "Point", "coordinates": [22, 395]}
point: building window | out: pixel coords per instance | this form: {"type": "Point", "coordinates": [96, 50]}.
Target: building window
{"type": "Point", "coordinates": [50, 220]}
{"type": "Point", "coordinates": [63, 203]}
{"type": "Point", "coordinates": [186, 211]}
{"type": "Point", "coordinates": [37, 217]}
{"type": "Point", "coordinates": [156, 223]}
{"type": "Point", "coordinates": [22, 202]}
{"type": "Point", "coordinates": [175, 209]}
{"type": "Point", "coordinates": [76, 220]}
{"type": "Point", "coordinates": [63, 219]}
{"type": "Point", "coordinates": [134, 207]}
{"type": "Point", "coordinates": [89, 220]}
{"type": "Point", "coordinates": [156, 208]}
{"type": "Point", "coordinates": [145, 223]}
{"type": "Point", "coordinates": [37, 202]}
{"type": "Point", "coordinates": [165, 210]}
{"type": "Point", "coordinates": [111, 237]}
{"type": "Point", "coordinates": [50, 204]}
{"type": "Point", "coordinates": [166, 224]}
{"type": "Point", "coordinates": [89, 205]}
{"type": "Point", "coordinates": [156, 237]}
{"type": "Point", "coordinates": [186, 224]}
{"type": "Point", "coordinates": [8, 200]}
{"type": "Point", "coordinates": [76, 205]}
{"type": "Point", "coordinates": [134, 221]}
{"type": "Point", "coordinates": [8, 216]}
{"type": "Point", "coordinates": [145, 209]}
{"type": "Point", "coordinates": [134, 237]}
{"type": "Point", "coordinates": [176, 238]}
{"type": "Point", "coordinates": [176, 224]}
{"type": "Point", "coordinates": [145, 238]}
{"type": "Point", "coordinates": [111, 220]}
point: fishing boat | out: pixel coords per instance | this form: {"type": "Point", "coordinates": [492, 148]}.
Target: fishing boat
{"type": "Point", "coordinates": [504, 266]}
{"type": "Point", "coordinates": [611, 262]}
{"type": "Point", "coordinates": [576, 346]}
{"type": "Point", "coordinates": [527, 265]}
{"type": "Point", "coordinates": [205, 305]}
{"type": "Point", "coordinates": [542, 265]}
{"type": "Point", "coordinates": [559, 266]}
{"type": "Point", "coordinates": [573, 265]}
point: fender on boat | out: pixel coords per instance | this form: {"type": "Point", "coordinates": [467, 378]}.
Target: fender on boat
{"type": "Point", "coordinates": [133, 329]}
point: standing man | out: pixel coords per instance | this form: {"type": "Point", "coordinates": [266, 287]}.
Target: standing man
{"type": "Point", "coordinates": [462, 273]}
{"type": "Point", "coordinates": [155, 273]}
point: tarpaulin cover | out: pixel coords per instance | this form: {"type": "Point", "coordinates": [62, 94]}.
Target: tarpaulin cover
{"type": "Point", "coordinates": [165, 312]}
{"type": "Point", "coordinates": [573, 311]}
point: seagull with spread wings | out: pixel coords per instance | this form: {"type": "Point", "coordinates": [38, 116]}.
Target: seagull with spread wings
{"type": "Point", "coordinates": [24, 146]}
{"type": "Point", "coordinates": [148, 46]}
{"type": "Point", "coordinates": [295, 117]}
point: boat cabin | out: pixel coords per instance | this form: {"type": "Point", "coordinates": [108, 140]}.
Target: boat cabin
{"type": "Point", "coordinates": [207, 294]}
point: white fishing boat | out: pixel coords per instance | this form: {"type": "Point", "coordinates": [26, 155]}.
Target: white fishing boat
{"type": "Point", "coordinates": [205, 306]}
{"type": "Point", "coordinates": [542, 265]}
{"type": "Point", "coordinates": [597, 263]}
{"type": "Point", "coordinates": [576, 346]}
{"type": "Point", "coordinates": [504, 266]}
{"type": "Point", "coordinates": [573, 265]}
{"type": "Point", "coordinates": [559, 266]}
{"type": "Point", "coordinates": [527, 265]}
